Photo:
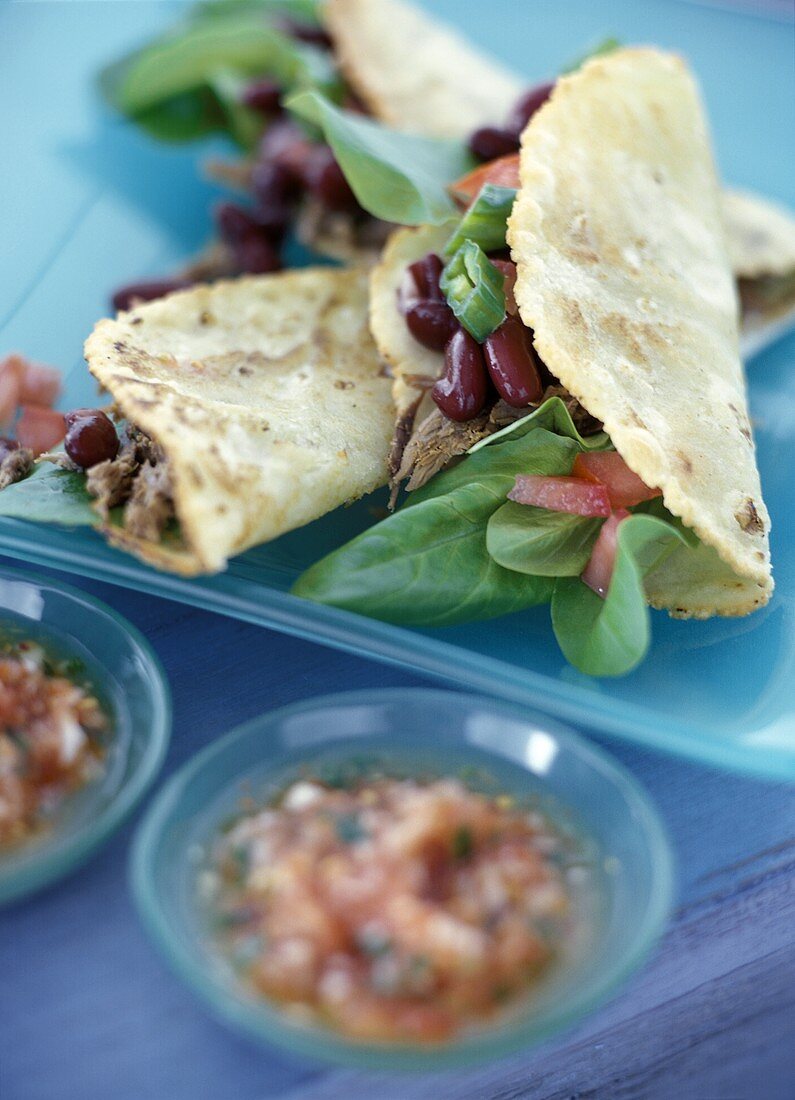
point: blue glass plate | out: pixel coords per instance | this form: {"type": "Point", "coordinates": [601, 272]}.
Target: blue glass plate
{"type": "Point", "coordinates": [90, 203]}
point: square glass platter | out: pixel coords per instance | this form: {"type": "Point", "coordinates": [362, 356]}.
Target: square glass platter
{"type": "Point", "coordinates": [90, 203]}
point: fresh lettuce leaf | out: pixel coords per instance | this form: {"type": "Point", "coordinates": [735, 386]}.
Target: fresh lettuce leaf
{"type": "Point", "coordinates": [540, 542]}
{"type": "Point", "coordinates": [610, 636]}
{"type": "Point", "coordinates": [395, 176]}
{"type": "Point", "coordinates": [427, 565]}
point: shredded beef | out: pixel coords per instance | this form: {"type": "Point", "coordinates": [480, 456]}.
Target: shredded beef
{"type": "Point", "coordinates": [343, 234]}
{"type": "Point", "coordinates": [111, 482]}
{"type": "Point", "coordinates": [582, 419]}
{"type": "Point", "coordinates": [138, 478]}
{"type": "Point", "coordinates": [151, 505]}
{"type": "Point", "coordinates": [16, 465]}
{"type": "Point", "coordinates": [419, 452]}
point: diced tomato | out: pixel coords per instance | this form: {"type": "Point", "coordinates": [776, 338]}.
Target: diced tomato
{"type": "Point", "coordinates": [608, 468]}
{"type": "Point", "coordinates": [10, 388]}
{"type": "Point", "coordinates": [561, 494]}
{"type": "Point", "coordinates": [41, 385]}
{"type": "Point", "coordinates": [504, 172]}
{"type": "Point", "coordinates": [40, 429]}
{"type": "Point", "coordinates": [599, 570]}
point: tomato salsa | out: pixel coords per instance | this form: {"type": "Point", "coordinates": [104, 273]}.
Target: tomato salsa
{"type": "Point", "coordinates": [50, 739]}
{"type": "Point", "coordinates": [390, 909]}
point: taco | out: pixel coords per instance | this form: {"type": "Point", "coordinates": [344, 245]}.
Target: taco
{"type": "Point", "coordinates": [245, 409]}
{"type": "Point", "coordinates": [572, 418]}
{"type": "Point", "coordinates": [451, 90]}
{"type": "Point", "coordinates": [229, 67]}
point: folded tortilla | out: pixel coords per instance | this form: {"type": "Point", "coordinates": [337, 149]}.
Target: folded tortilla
{"type": "Point", "coordinates": [267, 397]}
{"type": "Point", "coordinates": [413, 73]}
{"type": "Point", "coordinates": [624, 278]}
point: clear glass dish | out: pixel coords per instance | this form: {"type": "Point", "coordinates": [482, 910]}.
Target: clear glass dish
{"type": "Point", "coordinates": [578, 786]}
{"type": "Point", "coordinates": [126, 207]}
{"type": "Point", "coordinates": [127, 677]}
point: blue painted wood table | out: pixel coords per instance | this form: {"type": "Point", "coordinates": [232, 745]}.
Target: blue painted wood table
{"type": "Point", "coordinates": [87, 1011]}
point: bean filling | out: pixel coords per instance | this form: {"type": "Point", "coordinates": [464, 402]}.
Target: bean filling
{"type": "Point", "coordinates": [506, 362]}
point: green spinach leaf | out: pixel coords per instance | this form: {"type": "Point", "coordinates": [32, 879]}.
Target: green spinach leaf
{"type": "Point", "coordinates": [540, 542]}
{"type": "Point", "coordinates": [395, 176]}
{"type": "Point", "coordinates": [244, 125]}
{"type": "Point", "coordinates": [50, 495]}
{"type": "Point", "coordinates": [607, 45]}
{"type": "Point", "coordinates": [552, 416]}
{"type": "Point", "coordinates": [609, 637]}
{"type": "Point", "coordinates": [428, 565]}
{"type": "Point", "coordinates": [185, 58]}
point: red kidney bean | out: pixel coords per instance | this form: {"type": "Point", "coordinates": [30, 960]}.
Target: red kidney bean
{"type": "Point", "coordinates": [326, 180]}
{"type": "Point", "coordinates": [490, 142]}
{"type": "Point", "coordinates": [426, 274]}
{"type": "Point", "coordinates": [306, 32]}
{"type": "Point", "coordinates": [7, 446]}
{"type": "Point", "coordinates": [508, 269]}
{"type": "Point", "coordinates": [461, 391]}
{"type": "Point", "coordinates": [283, 143]}
{"type": "Point", "coordinates": [237, 225]}
{"type": "Point", "coordinates": [273, 184]}
{"type": "Point", "coordinates": [90, 437]}
{"type": "Point", "coordinates": [257, 256]}
{"type": "Point", "coordinates": [432, 323]}
{"type": "Point", "coordinates": [127, 296]}
{"type": "Point", "coordinates": [263, 96]}
{"type": "Point", "coordinates": [511, 363]}
{"type": "Point", "coordinates": [524, 109]}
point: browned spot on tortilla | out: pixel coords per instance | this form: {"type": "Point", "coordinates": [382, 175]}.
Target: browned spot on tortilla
{"type": "Point", "coordinates": [206, 317]}
{"type": "Point", "coordinates": [341, 384]}
{"type": "Point", "coordinates": [685, 462]}
{"type": "Point", "coordinates": [748, 518]}
{"type": "Point", "coordinates": [419, 381]}
{"type": "Point", "coordinates": [245, 371]}
{"type": "Point", "coordinates": [573, 313]}
{"type": "Point", "coordinates": [636, 420]}
{"type": "Point", "coordinates": [742, 422]}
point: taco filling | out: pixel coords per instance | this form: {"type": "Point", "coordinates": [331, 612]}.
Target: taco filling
{"type": "Point", "coordinates": [235, 71]}
{"type": "Point", "coordinates": [572, 423]}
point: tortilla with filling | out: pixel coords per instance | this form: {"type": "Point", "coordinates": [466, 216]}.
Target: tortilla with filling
{"type": "Point", "coordinates": [415, 74]}
{"type": "Point", "coordinates": [761, 239]}
{"type": "Point", "coordinates": [623, 276]}
{"type": "Point", "coordinates": [266, 397]}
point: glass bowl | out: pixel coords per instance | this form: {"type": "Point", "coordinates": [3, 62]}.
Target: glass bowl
{"type": "Point", "coordinates": [124, 673]}
{"type": "Point", "coordinates": [627, 860]}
